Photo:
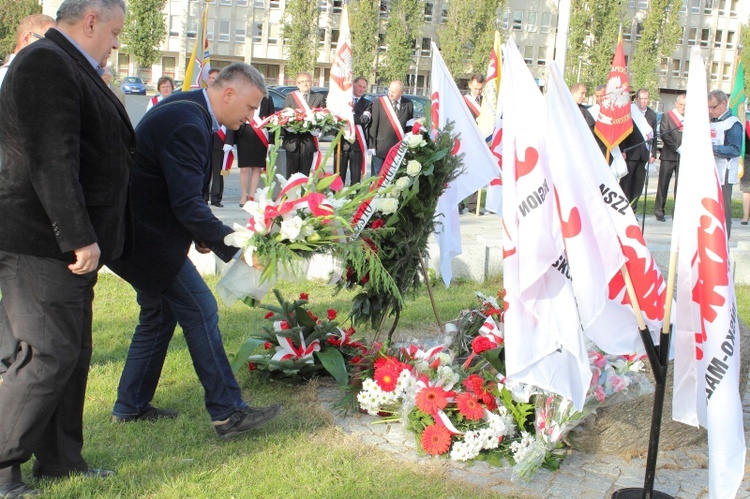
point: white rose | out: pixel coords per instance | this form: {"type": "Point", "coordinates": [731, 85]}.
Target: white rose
{"type": "Point", "coordinates": [415, 140]}
{"type": "Point", "coordinates": [413, 168]}
{"type": "Point", "coordinates": [290, 229]}
{"type": "Point", "coordinates": [387, 205]}
{"type": "Point", "coordinates": [402, 183]}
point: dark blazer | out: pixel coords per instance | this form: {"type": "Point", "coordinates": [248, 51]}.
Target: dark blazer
{"type": "Point", "coordinates": [640, 152]}
{"type": "Point", "coordinates": [172, 164]}
{"type": "Point", "coordinates": [362, 116]}
{"type": "Point", "coordinates": [66, 163]}
{"type": "Point", "coordinates": [671, 138]}
{"type": "Point", "coordinates": [382, 135]}
{"type": "Point", "coordinates": [301, 142]}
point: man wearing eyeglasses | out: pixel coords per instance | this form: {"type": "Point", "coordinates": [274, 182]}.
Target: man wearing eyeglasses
{"type": "Point", "coordinates": [726, 137]}
{"type": "Point", "coordinates": [30, 29]}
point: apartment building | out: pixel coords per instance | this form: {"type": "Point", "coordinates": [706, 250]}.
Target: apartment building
{"type": "Point", "coordinates": [250, 31]}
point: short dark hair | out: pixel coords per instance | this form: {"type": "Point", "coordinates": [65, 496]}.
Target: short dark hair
{"type": "Point", "coordinates": [358, 78]}
{"type": "Point", "coordinates": [213, 70]}
{"type": "Point", "coordinates": [640, 90]}
{"type": "Point", "coordinates": [477, 77]}
{"type": "Point", "coordinates": [164, 79]}
{"type": "Point", "coordinates": [719, 95]}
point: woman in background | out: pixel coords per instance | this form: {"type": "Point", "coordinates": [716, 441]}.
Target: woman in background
{"type": "Point", "coordinates": [252, 146]}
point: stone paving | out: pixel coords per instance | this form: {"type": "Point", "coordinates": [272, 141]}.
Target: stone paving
{"type": "Point", "coordinates": [681, 473]}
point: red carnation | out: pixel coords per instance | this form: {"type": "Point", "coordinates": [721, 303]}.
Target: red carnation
{"type": "Point", "coordinates": [303, 296]}
{"type": "Point", "coordinates": [268, 315]}
{"type": "Point", "coordinates": [436, 440]}
{"type": "Point", "coordinates": [481, 344]}
{"type": "Point", "coordinates": [267, 345]}
{"type": "Point", "coordinates": [378, 223]}
{"type": "Point", "coordinates": [251, 366]}
{"type": "Point", "coordinates": [331, 314]}
{"type": "Point", "coordinates": [474, 384]}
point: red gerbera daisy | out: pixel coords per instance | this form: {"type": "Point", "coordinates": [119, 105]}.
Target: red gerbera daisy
{"type": "Point", "coordinates": [386, 377]}
{"type": "Point", "coordinates": [430, 399]}
{"type": "Point", "coordinates": [436, 439]}
{"type": "Point", "coordinates": [469, 406]}
{"type": "Point", "coordinates": [474, 383]}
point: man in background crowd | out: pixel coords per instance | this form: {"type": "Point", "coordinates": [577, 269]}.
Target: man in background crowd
{"type": "Point", "coordinates": [107, 77]}
{"type": "Point", "coordinates": [639, 148]}
{"type": "Point", "coordinates": [353, 154]}
{"type": "Point", "coordinates": [301, 147]}
{"type": "Point", "coordinates": [30, 29]}
{"type": "Point", "coordinates": [669, 160]}
{"type": "Point", "coordinates": [390, 115]}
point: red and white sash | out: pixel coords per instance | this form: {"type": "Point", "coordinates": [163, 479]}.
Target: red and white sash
{"type": "Point", "coordinates": [226, 164]}
{"type": "Point", "coordinates": [473, 106]}
{"type": "Point", "coordinates": [302, 104]}
{"type": "Point", "coordinates": [257, 126]}
{"type": "Point", "coordinates": [392, 117]}
{"type": "Point", "coordinates": [676, 119]}
{"type": "Point", "coordinates": [360, 136]}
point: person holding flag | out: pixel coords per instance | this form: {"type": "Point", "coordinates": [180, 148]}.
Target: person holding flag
{"type": "Point", "coordinates": [301, 147]}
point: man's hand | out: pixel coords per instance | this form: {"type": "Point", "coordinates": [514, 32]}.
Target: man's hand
{"type": "Point", "coordinates": [651, 159]}
{"type": "Point", "coordinates": [87, 259]}
{"type": "Point", "coordinates": [201, 248]}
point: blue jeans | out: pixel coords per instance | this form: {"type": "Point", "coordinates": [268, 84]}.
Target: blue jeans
{"type": "Point", "coordinates": [189, 302]}
{"type": "Point", "coordinates": [375, 165]}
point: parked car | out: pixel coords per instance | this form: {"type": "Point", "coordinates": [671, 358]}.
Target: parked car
{"type": "Point", "coordinates": [277, 98]}
{"type": "Point", "coordinates": [133, 85]}
{"type": "Point", "coordinates": [284, 90]}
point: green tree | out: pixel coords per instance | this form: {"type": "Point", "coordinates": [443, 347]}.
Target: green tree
{"type": "Point", "coordinates": [594, 27]}
{"type": "Point", "coordinates": [745, 55]}
{"type": "Point", "coordinates": [402, 30]}
{"type": "Point", "coordinates": [468, 36]}
{"type": "Point", "coordinates": [144, 30]}
{"type": "Point", "coordinates": [363, 23]}
{"type": "Point", "coordinates": [659, 37]}
{"type": "Point", "coordinates": [11, 13]}
{"type": "Point", "coordinates": [300, 33]}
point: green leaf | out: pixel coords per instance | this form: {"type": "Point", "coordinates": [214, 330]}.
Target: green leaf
{"type": "Point", "coordinates": [325, 182]}
{"type": "Point", "coordinates": [247, 348]}
{"type": "Point", "coordinates": [495, 358]}
{"type": "Point", "coordinates": [333, 362]}
{"type": "Point", "coordinates": [303, 318]}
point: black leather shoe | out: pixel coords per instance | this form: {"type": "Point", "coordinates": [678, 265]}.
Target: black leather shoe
{"type": "Point", "coordinates": [247, 419]}
{"type": "Point", "coordinates": [218, 205]}
{"type": "Point", "coordinates": [96, 473]}
{"type": "Point", "coordinates": [661, 219]}
{"type": "Point", "coordinates": [149, 414]}
{"type": "Point", "coordinates": [17, 491]}
{"type": "Point", "coordinates": [39, 474]}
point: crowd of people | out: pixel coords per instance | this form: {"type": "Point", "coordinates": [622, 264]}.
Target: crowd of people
{"type": "Point", "coordinates": [80, 188]}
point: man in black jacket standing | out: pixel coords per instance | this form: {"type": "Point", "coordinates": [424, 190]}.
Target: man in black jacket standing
{"type": "Point", "coordinates": [669, 160]}
{"type": "Point", "coordinates": [353, 154]}
{"type": "Point", "coordinates": [639, 148]}
{"type": "Point", "coordinates": [63, 198]}
{"type": "Point", "coordinates": [390, 115]}
{"type": "Point", "coordinates": [301, 147]}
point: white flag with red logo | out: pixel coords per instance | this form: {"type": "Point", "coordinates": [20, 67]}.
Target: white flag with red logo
{"type": "Point", "coordinates": [479, 165]}
{"type": "Point", "coordinates": [340, 94]}
{"type": "Point", "coordinates": [591, 241]}
{"type": "Point", "coordinates": [706, 336]}
{"type": "Point", "coordinates": [491, 124]}
{"type": "Point", "coordinates": [543, 338]}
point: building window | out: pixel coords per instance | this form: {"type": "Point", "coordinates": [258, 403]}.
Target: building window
{"type": "Point", "coordinates": [676, 67]}
{"type": "Point", "coordinates": [192, 27]}
{"type": "Point", "coordinates": [695, 6]}
{"type": "Point", "coordinates": [226, 2]}
{"type": "Point", "coordinates": [223, 30]}
{"type": "Point", "coordinates": [717, 38]}
{"type": "Point", "coordinates": [685, 68]}
{"type": "Point", "coordinates": [627, 34]}
{"type": "Point", "coordinates": [638, 30]}
{"type": "Point", "coordinates": [517, 20]}
{"type": "Point", "coordinates": [692, 36]}
{"type": "Point", "coordinates": [336, 6]}
{"type": "Point", "coordinates": [733, 8]}
{"type": "Point", "coordinates": [730, 39]}
{"type": "Point", "coordinates": [335, 38]}
{"type": "Point", "coordinates": [174, 25]}
{"type": "Point", "coordinates": [257, 32]}
{"type": "Point", "coordinates": [426, 47]}
{"type": "Point", "coordinates": [705, 37]}
{"type": "Point", "coordinates": [210, 26]}
{"type": "Point", "coordinates": [428, 8]}
{"type": "Point", "coordinates": [727, 73]}
{"type": "Point", "coordinates": [241, 3]}
{"type": "Point", "coordinates": [714, 71]}
{"type": "Point", "coordinates": [321, 37]}
{"type": "Point", "coordinates": [506, 19]}
{"type": "Point", "coordinates": [381, 43]}
{"type": "Point", "coordinates": [723, 11]}
{"type": "Point", "coordinates": [663, 67]}
{"type": "Point", "coordinates": [275, 4]}
{"type": "Point", "coordinates": [167, 66]}
{"type": "Point", "coordinates": [541, 59]}
{"type": "Point", "coordinates": [643, 4]}
{"type": "Point", "coordinates": [273, 36]}
{"type": "Point", "coordinates": [323, 5]}
{"type": "Point", "coordinates": [259, 4]}
{"type": "Point", "coordinates": [240, 30]}
{"type": "Point", "coordinates": [531, 21]}
{"type": "Point", "coordinates": [528, 55]}
{"type": "Point", "coordinates": [708, 6]}
{"type": "Point", "coordinates": [546, 22]}
{"type": "Point", "coordinates": [384, 4]}
{"type": "Point", "coordinates": [444, 14]}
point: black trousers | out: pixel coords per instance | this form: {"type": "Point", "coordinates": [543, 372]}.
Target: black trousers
{"type": "Point", "coordinates": [298, 162]}
{"type": "Point", "coordinates": [216, 192]}
{"type": "Point", "coordinates": [632, 183]}
{"type": "Point", "coordinates": [8, 342]}
{"type": "Point", "coordinates": [42, 394]}
{"type": "Point", "coordinates": [666, 169]}
{"type": "Point", "coordinates": [351, 160]}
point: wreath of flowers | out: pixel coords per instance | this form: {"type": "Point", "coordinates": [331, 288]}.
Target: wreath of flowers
{"type": "Point", "coordinates": [403, 217]}
{"type": "Point", "coordinates": [317, 121]}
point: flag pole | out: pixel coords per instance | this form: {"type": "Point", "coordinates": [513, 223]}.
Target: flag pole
{"type": "Point", "coordinates": [659, 364]}
{"type": "Point", "coordinates": [338, 159]}
{"type": "Point", "coordinates": [479, 203]}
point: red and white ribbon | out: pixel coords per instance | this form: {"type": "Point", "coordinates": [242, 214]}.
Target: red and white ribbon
{"type": "Point", "coordinates": [392, 116]}
{"type": "Point", "coordinates": [287, 350]}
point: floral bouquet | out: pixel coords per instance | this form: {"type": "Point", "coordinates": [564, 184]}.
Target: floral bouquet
{"type": "Point", "coordinates": [403, 216]}
{"type": "Point", "coordinates": [291, 220]}
{"type": "Point", "coordinates": [297, 344]}
{"type": "Point", "coordinates": [317, 121]}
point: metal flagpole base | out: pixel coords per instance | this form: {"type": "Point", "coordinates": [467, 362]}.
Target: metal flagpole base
{"type": "Point", "coordinates": [639, 493]}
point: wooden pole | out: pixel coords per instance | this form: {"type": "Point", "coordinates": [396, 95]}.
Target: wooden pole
{"type": "Point", "coordinates": [429, 292]}
{"type": "Point", "coordinates": [479, 202]}
{"type": "Point", "coordinates": [337, 163]}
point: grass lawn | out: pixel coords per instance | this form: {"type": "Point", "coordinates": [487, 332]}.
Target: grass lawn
{"type": "Point", "coordinates": [299, 454]}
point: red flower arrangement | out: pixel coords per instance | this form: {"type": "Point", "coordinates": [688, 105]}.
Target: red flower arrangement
{"type": "Point", "coordinates": [432, 398]}
{"type": "Point", "coordinates": [436, 440]}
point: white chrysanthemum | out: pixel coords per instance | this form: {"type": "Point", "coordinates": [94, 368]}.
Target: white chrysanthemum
{"type": "Point", "coordinates": [413, 167]}
{"type": "Point", "coordinates": [462, 451]}
{"type": "Point", "coordinates": [446, 373]}
{"type": "Point", "coordinates": [488, 439]}
{"type": "Point", "coordinates": [290, 229]}
{"type": "Point", "coordinates": [500, 424]}
{"type": "Point", "coordinates": [404, 382]}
